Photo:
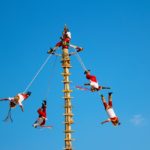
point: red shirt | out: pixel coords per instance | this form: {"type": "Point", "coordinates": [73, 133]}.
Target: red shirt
{"type": "Point", "coordinates": [90, 77]}
{"type": "Point", "coordinates": [64, 43]}
{"type": "Point", "coordinates": [25, 95]}
{"type": "Point", "coordinates": [42, 112]}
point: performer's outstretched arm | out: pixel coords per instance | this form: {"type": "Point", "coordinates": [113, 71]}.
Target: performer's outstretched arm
{"type": "Point", "coordinates": [76, 47]}
{"type": "Point", "coordinates": [4, 99]}
{"type": "Point", "coordinates": [108, 120]}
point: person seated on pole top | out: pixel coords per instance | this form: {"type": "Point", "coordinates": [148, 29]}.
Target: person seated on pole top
{"type": "Point", "coordinates": [110, 111]}
{"type": "Point", "coordinates": [65, 42]}
{"type": "Point", "coordinates": [93, 82]}
{"type": "Point", "coordinates": [66, 34]}
{"type": "Point", "coordinates": [17, 100]}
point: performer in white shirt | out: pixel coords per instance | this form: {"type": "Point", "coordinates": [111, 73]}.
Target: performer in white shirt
{"type": "Point", "coordinates": [110, 111]}
{"type": "Point", "coordinates": [17, 100]}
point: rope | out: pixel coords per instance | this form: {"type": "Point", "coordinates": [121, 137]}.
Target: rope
{"type": "Point", "coordinates": [42, 66]}
{"type": "Point", "coordinates": [81, 62]}
{"type": "Point", "coordinates": [53, 67]}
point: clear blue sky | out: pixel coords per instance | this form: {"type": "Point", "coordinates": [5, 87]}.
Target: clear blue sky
{"type": "Point", "coordinates": [116, 40]}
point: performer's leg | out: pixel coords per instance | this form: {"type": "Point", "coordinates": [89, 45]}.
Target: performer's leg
{"type": "Point", "coordinates": [43, 122]}
{"type": "Point", "coordinates": [52, 50]}
{"type": "Point", "coordinates": [93, 89]}
{"type": "Point", "coordinates": [110, 99]}
{"type": "Point", "coordinates": [87, 84]}
{"type": "Point", "coordinates": [38, 122]}
{"type": "Point", "coordinates": [104, 87]}
{"type": "Point", "coordinates": [104, 101]}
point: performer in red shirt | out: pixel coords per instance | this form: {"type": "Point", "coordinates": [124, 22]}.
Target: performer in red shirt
{"type": "Point", "coordinates": [65, 42]}
{"type": "Point", "coordinates": [42, 115]}
{"type": "Point", "coordinates": [93, 82]}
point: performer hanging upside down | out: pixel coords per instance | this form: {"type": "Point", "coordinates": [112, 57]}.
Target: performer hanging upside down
{"type": "Point", "coordinates": [65, 42]}
{"type": "Point", "coordinates": [42, 116]}
{"type": "Point", "coordinates": [110, 111]}
{"type": "Point", "coordinates": [93, 82]}
{"type": "Point", "coordinates": [17, 100]}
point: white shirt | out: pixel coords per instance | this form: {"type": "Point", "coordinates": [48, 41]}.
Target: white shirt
{"type": "Point", "coordinates": [111, 113]}
{"type": "Point", "coordinates": [94, 84]}
{"type": "Point", "coordinates": [21, 99]}
{"type": "Point", "coordinates": [69, 34]}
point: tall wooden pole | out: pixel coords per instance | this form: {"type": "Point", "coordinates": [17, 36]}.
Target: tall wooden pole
{"type": "Point", "coordinates": [67, 99]}
{"type": "Point", "coordinates": [65, 43]}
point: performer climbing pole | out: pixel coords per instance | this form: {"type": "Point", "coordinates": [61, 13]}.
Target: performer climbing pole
{"type": "Point", "coordinates": [65, 43]}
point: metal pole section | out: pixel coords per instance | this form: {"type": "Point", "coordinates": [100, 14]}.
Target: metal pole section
{"type": "Point", "coordinates": [67, 99]}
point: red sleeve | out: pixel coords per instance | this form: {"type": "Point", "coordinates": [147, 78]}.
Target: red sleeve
{"type": "Point", "coordinates": [59, 44]}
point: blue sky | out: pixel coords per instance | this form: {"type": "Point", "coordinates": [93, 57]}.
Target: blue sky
{"type": "Point", "coordinates": [115, 37]}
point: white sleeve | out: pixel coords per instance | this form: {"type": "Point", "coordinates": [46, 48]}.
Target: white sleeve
{"type": "Point", "coordinates": [20, 103]}
{"type": "Point", "coordinates": [69, 34]}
